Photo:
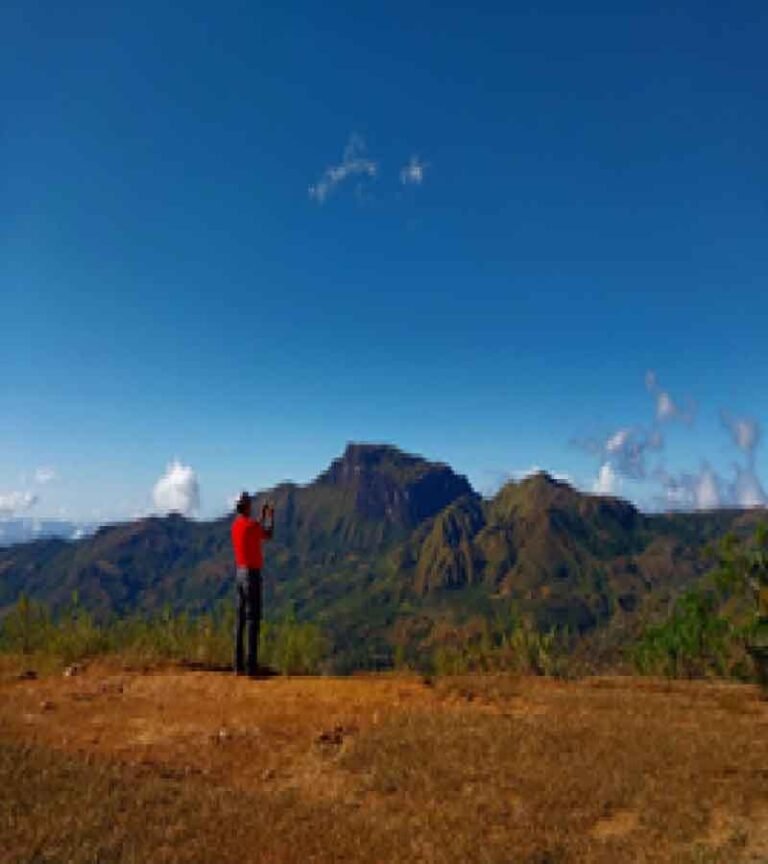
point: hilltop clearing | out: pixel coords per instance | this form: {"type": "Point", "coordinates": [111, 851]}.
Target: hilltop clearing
{"type": "Point", "coordinates": [172, 765]}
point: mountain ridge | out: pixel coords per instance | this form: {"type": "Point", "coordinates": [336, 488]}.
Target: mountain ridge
{"type": "Point", "coordinates": [382, 538]}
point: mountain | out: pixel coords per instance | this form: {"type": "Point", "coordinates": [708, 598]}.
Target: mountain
{"type": "Point", "coordinates": [368, 500]}
{"type": "Point", "coordinates": [387, 548]}
{"type": "Point", "coordinates": [368, 497]}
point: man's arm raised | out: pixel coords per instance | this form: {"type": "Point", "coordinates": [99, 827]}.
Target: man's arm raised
{"type": "Point", "coordinates": [268, 521]}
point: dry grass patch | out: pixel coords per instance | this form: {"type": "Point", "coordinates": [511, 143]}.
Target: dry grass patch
{"type": "Point", "coordinates": [54, 808]}
{"type": "Point", "coordinates": [586, 773]}
{"type": "Point", "coordinates": [494, 769]}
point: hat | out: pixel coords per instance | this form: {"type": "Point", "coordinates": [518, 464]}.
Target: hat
{"type": "Point", "coordinates": [243, 502]}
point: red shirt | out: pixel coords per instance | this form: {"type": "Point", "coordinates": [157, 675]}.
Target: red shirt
{"type": "Point", "coordinates": [247, 536]}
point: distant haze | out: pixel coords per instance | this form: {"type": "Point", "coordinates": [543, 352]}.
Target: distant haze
{"type": "Point", "coordinates": [22, 530]}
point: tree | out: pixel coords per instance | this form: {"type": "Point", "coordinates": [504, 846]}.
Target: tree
{"type": "Point", "coordinates": [742, 565]}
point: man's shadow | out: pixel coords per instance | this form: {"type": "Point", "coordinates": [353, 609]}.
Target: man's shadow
{"type": "Point", "coordinates": [224, 669]}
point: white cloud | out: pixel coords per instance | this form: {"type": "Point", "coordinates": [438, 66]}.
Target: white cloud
{"type": "Point", "coordinates": [353, 163]}
{"type": "Point", "coordinates": [707, 490]}
{"type": "Point", "coordinates": [666, 407]}
{"type": "Point", "coordinates": [618, 441]}
{"type": "Point", "coordinates": [177, 491]}
{"type": "Point", "coordinates": [625, 450]}
{"type": "Point", "coordinates": [747, 489]}
{"type": "Point", "coordinates": [701, 491]}
{"type": "Point", "coordinates": [745, 432]}
{"type": "Point", "coordinates": [45, 474]}
{"type": "Point", "coordinates": [15, 502]}
{"type": "Point", "coordinates": [625, 455]}
{"type": "Point", "coordinates": [413, 172]}
{"type": "Point", "coordinates": [608, 482]}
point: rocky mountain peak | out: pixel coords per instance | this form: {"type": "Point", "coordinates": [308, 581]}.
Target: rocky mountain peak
{"type": "Point", "coordinates": [392, 485]}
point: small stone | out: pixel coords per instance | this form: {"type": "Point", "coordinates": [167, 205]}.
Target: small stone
{"type": "Point", "coordinates": [71, 671]}
{"type": "Point", "coordinates": [335, 737]}
{"type": "Point", "coordinates": [47, 705]}
{"type": "Point", "coordinates": [269, 774]}
{"type": "Point", "coordinates": [28, 675]}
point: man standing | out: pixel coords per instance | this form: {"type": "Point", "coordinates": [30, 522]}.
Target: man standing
{"type": "Point", "coordinates": [247, 537]}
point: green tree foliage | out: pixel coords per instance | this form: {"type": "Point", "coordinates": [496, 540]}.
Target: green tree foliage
{"type": "Point", "coordinates": [694, 641]}
{"type": "Point", "coordinates": [707, 631]}
{"type": "Point", "coordinates": [742, 567]}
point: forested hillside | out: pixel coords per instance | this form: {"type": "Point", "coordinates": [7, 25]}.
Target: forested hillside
{"type": "Point", "coordinates": [386, 549]}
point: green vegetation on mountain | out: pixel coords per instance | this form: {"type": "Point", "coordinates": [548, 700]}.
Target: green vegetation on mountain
{"type": "Point", "coordinates": [395, 557]}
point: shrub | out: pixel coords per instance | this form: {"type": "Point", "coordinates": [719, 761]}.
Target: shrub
{"type": "Point", "coordinates": [516, 646]}
{"type": "Point", "coordinates": [25, 628]}
{"type": "Point", "coordinates": [697, 638]}
{"type": "Point", "coordinates": [293, 648]}
{"type": "Point", "coordinates": [288, 646]}
{"type": "Point", "coordinates": [694, 641]}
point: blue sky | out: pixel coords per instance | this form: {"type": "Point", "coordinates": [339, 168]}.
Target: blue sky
{"type": "Point", "coordinates": [587, 203]}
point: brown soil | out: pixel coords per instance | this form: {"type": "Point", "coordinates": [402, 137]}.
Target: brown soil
{"type": "Point", "coordinates": [494, 769]}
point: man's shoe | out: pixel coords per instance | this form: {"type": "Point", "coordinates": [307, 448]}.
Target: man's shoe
{"type": "Point", "coordinates": [264, 672]}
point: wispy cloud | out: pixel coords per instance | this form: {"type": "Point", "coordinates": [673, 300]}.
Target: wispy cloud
{"type": "Point", "coordinates": [45, 474]}
{"type": "Point", "coordinates": [707, 489]}
{"type": "Point", "coordinates": [747, 490]}
{"type": "Point", "coordinates": [703, 490]}
{"type": "Point", "coordinates": [666, 407]}
{"type": "Point", "coordinates": [745, 432]}
{"type": "Point", "coordinates": [608, 481]}
{"type": "Point", "coordinates": [15, 502]}
{"type": "Point", "coordinates": [413, 172]}
{"type": "Point", "coordinates": [177, 491]}
{"type": "Point", "coordinates": [624, 453]}
{"type": "Point", "coordinates": [354, 163]}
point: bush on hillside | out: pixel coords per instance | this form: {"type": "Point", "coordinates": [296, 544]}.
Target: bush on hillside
{"type": "Point", "coordinates": [694, 641]}
{"type": "Point", "coordinates": [710, 629]}
{"type": "Point", "coordinates": [516, 647]}
{"type": "Point", "coordinates": [288, 646]}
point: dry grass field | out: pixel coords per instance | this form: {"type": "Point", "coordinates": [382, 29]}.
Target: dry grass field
{"type": "Point", "coordinates": [168, 765]}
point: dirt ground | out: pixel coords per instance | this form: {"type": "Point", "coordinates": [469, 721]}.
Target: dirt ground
{"type": "Point", "coordinates": [109, 763]}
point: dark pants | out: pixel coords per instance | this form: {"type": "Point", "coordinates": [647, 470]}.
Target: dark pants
{"type": "Point", "coordinates": [248, 611]}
